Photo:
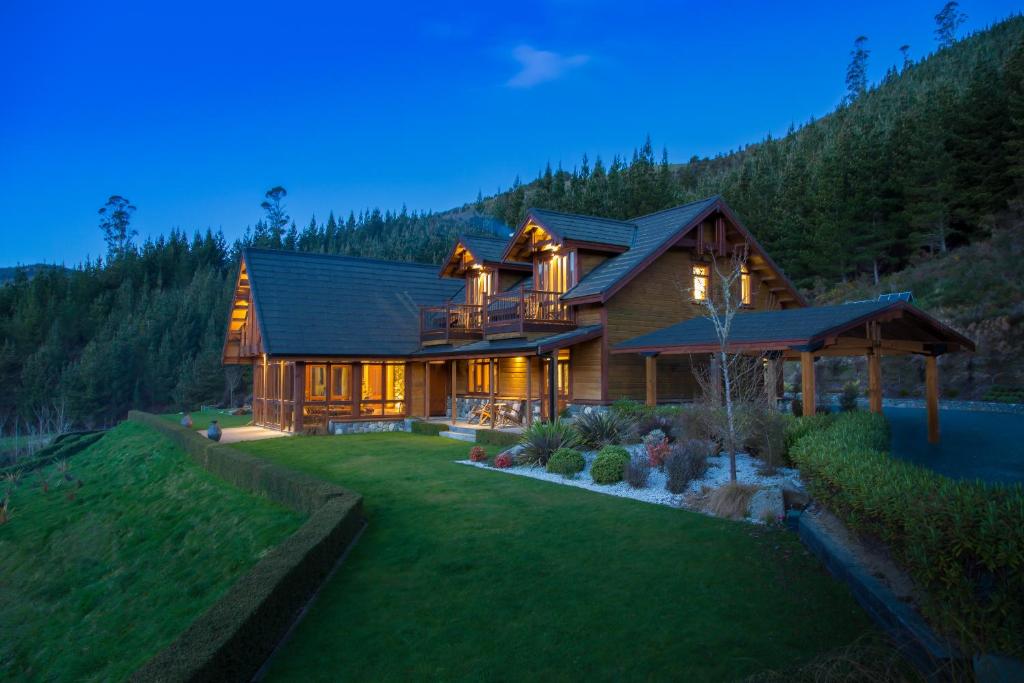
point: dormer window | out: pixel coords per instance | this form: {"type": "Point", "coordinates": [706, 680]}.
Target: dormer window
{"type": "Point", "coordinates": [556, 272]}
{"type": "Point", "coordinates": [700, 282]}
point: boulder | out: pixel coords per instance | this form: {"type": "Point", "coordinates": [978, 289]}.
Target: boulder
{"type": "Point", "coordinates": [767, 505]}
{"type": "Point", "coordinates": [795, 496]}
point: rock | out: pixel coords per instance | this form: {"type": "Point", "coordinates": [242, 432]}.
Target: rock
{"type": "Point", "coordinates": [795, 496]}
{"type": "Point", "coordinates": [767, 505]}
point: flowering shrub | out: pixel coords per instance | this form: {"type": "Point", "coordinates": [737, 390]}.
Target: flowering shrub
{"type": "Point", "coordinates": [656, 444]}
{"type": "Point", "coordinates": [503, 460]}
{"type": "Point", "coordinates": [477, 454]}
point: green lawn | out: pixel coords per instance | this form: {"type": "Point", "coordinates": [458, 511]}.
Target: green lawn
{"type": "Point", "coordinates": [201, 420]}
{"type": "Point", "coordinates": [92, 587]}
{"type": "Point", "coordinates": [470, 574]}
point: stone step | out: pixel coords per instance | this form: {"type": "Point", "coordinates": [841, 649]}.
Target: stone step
{"type": "Point", "coordinates": [462, 430]}
{"type": "Point", "coordinates": [460, 436]}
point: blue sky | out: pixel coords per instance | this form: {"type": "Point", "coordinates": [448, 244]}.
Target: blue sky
{"type": "Point", "coordinates": [193, 110]}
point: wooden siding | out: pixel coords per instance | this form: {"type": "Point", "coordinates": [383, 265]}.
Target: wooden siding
{"type": "Point", "coordinates": [585, 370]}
{"type": "Point", "coordinates": [415, 383]}
{"type": "Point", "coordinates": [587, 261]}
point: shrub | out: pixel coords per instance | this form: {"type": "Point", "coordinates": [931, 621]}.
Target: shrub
{"type": "Point", "coordinates": [686, 461]}
{"type": "Point", "coordinates": [650, 422]}
{"type": "Point", "coordinates": [731, 501]}
{"type": "Point", "coordinates": [629, 410]}
{"type": "Point", "coordinates": [566, 461]}
{"type": "Point", "coordinates": [477, 454]}
{"type": "Point", "coordinates": [598, 430]}
{"type": "Point", "coordinates": [493, 437]}
{"type": "Point", "coordinates": [542, 439]}
{"type": "Point", "coordinates": [802, 426]}
{"type": "Point", "coordinates": [503, 460]}
{"type": "Point", "coordinates": [848, 399]}
{"type": "Point", "coordinates": [637, 471]}
{"type": "Point", "coordinates": [427, 428]}
{"type": "Point", "coordinates": [609, 465]}
{"type": "Point", "coordinates": [961, 542]}
{"type": "Point", "coordinates": [656, 445]}
{"type": "Point", "coordinates": [766, 435]}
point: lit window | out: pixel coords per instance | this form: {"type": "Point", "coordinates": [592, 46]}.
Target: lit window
{"type": "Point", "coordinates": [382, 389]}
{"type": "Point", "coordinates": [316, 382]}
{"type": "Point", "coordinates": [479, 380]}
{"type": "Point", "coordinates": [746, 296]}
{"type": "Point", "coordinates": [341, 382]}
{"type": "Point", "coordinates": [700, 283]}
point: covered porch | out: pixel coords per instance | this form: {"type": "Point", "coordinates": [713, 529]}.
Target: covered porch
{"type": "Point", "coordinates": [872, 329]}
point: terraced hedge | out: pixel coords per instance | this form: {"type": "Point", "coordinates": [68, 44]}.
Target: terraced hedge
{"type": "Point", "coordinates": [962, 542]}
{"type": "Point", "coordinates": [231, 640]}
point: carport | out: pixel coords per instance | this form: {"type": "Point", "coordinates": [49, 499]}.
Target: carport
{"type": "Point", "coordinates": [872, 329]}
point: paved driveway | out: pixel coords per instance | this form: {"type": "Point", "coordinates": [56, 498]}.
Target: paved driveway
{"type": "Point", "coordinates": [974, 445]}
{"type": "Point", "coordinates": [236, 434]}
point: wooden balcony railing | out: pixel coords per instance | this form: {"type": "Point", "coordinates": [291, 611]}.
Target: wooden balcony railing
{"type": "Point", "coordinates": [526, 310]}
{"type": "Point", "coordinates": [451, 322]}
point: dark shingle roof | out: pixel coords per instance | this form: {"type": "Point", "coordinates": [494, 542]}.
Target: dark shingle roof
{"type": "Point", "coordinates": [520, 345]}
{"type": "Point", "coordinates": [585, 228]}
{"type": "Point", "coordinates": [770, 327]}
{"type": "Point", "coordinates": [484, 248]}
{"type": "Point", "coordinates": [314, 304]}
{"type": "Point", "coordinates": [652, 231]}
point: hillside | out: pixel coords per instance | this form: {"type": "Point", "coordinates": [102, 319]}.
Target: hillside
{"type": "Point", "coordinates": [903, 188]}
{"type": "Point", "coordinates": [30, 271]}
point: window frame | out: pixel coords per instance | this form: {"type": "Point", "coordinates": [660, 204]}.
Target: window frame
{"type": "Point", "coordinates": [705, 275]}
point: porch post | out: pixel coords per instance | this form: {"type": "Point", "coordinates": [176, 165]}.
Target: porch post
{"type": "Point", "coordinates": [875, 381]}
{"type": "Point", "coordinates": [453, 411]}
{"type": "Point", "coordinates": [553, 387]}
{"type": "Point", "coordinates": [529, 390]}
{"type": "Point", "coordinates": [931, 379]}
{"type": "Point", "coordinates": [490, 389]}
{"type": "Point", "coordinates": [357, 389]}
{"type": "Point", "coordinates": [298, 394]}
{"type": "Point", "coordinates": [651, 372]}
{"type": "Point", "coordinates": [426, 390]}
{"type": "Point", "coordinates": [807, 382]}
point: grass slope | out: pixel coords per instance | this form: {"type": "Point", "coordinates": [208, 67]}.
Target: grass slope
{"type": "Point", "coordinates": [469, 574]}
{"type": "Point", "coordinates": [92, 587]}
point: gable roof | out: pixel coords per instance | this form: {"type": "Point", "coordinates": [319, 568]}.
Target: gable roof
{"type": "Point", "coordinates": [652, 231]}
{"type": "Point", "coordinates": [484, 248]}
{"type": "Point", "coordinates": [801, 328]}
{"type": "Point", "coordinates": [299, 300]}
{"type": "Point", "coordinates": [575, 227]}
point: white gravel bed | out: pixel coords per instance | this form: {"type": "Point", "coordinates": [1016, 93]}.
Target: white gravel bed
{"type": "Point", "coordinates": [717, 475]}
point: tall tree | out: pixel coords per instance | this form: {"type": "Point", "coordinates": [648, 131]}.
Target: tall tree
{"type": "Point", "coordinates": [277, 217]}
{"type": "Point", "coordinates": [907, 62]}
{"type": "Point", "coordinates": [115, 222]}
{"type": "Point", "coordinates": [857, 71]}
{"type": "Point", "coordinates": [947, 21]}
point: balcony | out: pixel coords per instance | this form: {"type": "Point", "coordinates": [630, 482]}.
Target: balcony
{"type": "Point", "coordinates": [527, 310]}
{"type": "Point", "coordinates": [452, 322]}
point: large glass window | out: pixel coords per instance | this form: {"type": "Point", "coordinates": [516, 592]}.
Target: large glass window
{"type": "Point", "coordinates": [700, 283]}
{"type": "Point", "coordinates": [556, 272]}
{"type": "Point", "coordinates": [479, 283]}
{"type": "Point", "coordinates": [382, 389]}
{"type": "Point", "coordinates": [341, 382]}
{"type": "Point", "coordinates": [479, 380]}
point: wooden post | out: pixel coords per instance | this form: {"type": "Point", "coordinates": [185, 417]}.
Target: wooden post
{"type": "Point", "coordinates": [298, 394]}
{"type": "Point", "coordinates": [426, 390]}
{"type": "Point", "coordinates": [490, 388]}
{"type": "Point", "coordinates": [651, 368]}
{"type": "Point", "coordinates": [931, 379]}
{"type": "Point", "coordinates": [807, 382]}
{"type": "Point", "coordinates": [357, 389]}
{"type": "Point", "coordinates": [453, 411]}
{"type": "Point", "coordinates": [553, 387]}
{"type": "Point", "coordinates": [875, 381]}
{"type": "Point", "coordinates": [529, 390]}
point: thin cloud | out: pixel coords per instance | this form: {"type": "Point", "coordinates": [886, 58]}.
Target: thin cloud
{"type": "Point", "coordinates": [541, 66]}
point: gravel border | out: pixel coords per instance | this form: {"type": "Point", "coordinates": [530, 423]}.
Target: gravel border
{"type": "Point", "coordinates": [655, 493]}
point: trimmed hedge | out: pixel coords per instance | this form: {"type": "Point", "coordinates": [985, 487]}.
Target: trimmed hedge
{"type": "Point", "coordinates": [566, 461]}
{"type": "Point", "coordinates": [962, 542]}
{"type": "Point", "coordinates": [492, 437]}
{"type": "Point", "coordinates": [63, 446]}
{"type": "Point", "coordinates": [232, 639]}
{"type": "Point", "coordinates": [427, 428]}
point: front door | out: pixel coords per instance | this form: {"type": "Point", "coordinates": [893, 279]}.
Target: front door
{"type": "Point", "coordinates": [439, 379]}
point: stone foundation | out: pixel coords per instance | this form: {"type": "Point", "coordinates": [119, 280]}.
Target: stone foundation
{"type": "Point", "coordinates": [370, 426]}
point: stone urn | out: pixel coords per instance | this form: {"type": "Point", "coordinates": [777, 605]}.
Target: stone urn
{"type": "Point", "coordinates": [214, 432]}
{"type": "Point", "coordinates": [186, 421]}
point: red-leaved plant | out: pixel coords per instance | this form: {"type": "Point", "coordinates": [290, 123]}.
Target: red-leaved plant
{"type": "Point", "coordinates": [656, 444]}
{"type": "Point", "coordinates": [503, 461]}
{"type": "Point", "coordinates": [477, 454]}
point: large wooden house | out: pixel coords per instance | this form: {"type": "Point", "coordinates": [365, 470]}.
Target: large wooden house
{"type": "Point", "coordinates": [508, 329]}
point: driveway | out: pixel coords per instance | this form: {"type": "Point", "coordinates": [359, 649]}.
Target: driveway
{"type": "Point", "coordinates": [236, 434]}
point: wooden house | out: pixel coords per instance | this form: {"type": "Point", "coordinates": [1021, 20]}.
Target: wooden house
{"type": "Point", "coordinates": [507, 329]}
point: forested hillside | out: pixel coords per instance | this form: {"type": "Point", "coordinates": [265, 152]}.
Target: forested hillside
{"type": "Point", "coordinates": [919, 171]}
